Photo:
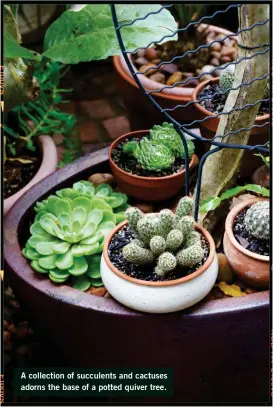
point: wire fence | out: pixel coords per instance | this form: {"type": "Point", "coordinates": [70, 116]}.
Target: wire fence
{"type": "Point", "coordinates": [217, 140]}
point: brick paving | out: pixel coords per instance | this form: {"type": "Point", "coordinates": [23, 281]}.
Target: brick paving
{"type": "Point", "coordinates": [96, 102]}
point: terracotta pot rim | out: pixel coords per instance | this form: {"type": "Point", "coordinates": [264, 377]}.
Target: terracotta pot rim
{"type": "Point", "coordinates": [45, 143]}
{"type": "Point", "coordinates": [198, 90]}
{"type": "Point", "coordinates": [184, 93]}
{"type": "Point", "coordinates": [154, 179]}
{"type": "Point", "coordinates": [192, 276]}
{"type": "Point", "coordinates": [229, 227]}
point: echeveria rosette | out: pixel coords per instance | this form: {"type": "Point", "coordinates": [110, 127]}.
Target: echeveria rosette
{"type": "Point", "coordinates": [69, 231]}
{"type": "Point", "coordinates": [167, 136]}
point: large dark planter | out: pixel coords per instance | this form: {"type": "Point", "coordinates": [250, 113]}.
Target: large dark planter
{"type": "Point", "coordinates": [219, 350]}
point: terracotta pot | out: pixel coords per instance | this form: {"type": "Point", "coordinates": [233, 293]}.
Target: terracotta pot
{"type": "Point", "coordinates": [142, 114]}
{"type": "Point", "coordinates": [159, 297]}
{"type": "Point", "coordinates": [208, 128]}
{"type": "Point", "coordinates": [252, 268]}
{"type": "Point", "coordinates": [48, 165]}
{"type": "Point", "coordinates": [196, 343]}
{"type": "Point", "coordinates": [147, 188]}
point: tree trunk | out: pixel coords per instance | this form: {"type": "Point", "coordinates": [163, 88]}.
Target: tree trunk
{"type": "Point", "coordinates": [221, 168]}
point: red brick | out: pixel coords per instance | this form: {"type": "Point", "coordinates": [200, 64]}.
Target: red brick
{"type": "Point", "coordinates": [117, 126]}
{"type": "Point", "coordinates": [97, 109]}
{"type": "Point", "coordinates": [89, 132]}
{"type": "Point", "coordinates": [69, 107]}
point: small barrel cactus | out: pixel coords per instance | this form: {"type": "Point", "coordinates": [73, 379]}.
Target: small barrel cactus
{"type": "Point", "coordinates": [227, 77]}
{"type": "Point", "coordinates": [190, 256]}
{"type": "Point", "coordinates": [257, 220]}
{"type": "Point", "coordinates": [137, 255]}
{"type": "Point", "coordinates": [166, 262]}
{"type": "Point", "coordinates": [193, 238]}
{"type": "Point", "coordinates": [174, 240]}
{"type": "Point", "coordinates": [166, 220]}
{"type": "Point", "coordinates": [157, 245]}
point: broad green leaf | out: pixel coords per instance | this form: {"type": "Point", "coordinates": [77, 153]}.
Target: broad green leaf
{"type": "Point", "coordinates": [209, 204]}
{"type": "Point", "coordinates": [47, 262]}
{"type": "Point", "coordinates": [13, 50]}
{"type": "Point", "coordinates": [59, 274]}
{"type": "Point", "coordinates": [60, 248]}
{"type": "Point", "coordinates": [31, 254]}
{"type": "Point", "coordinates": [258, 189]}
{"type": "Point", "coordinates": [84, 249]}
{"type": "Point", "coordinates": [89, 34]}
{"type": "Point", "coordinates": [35, 265]}
{"type": "Point", "coordinates": [59, 280]}
{"type": "Point", "coordinates": [108, 216]}
{"type": "Point", "coordinates": [64, 261]}
{"type": "Point", "coordinates": [231, 192]}
{"type": "Point", "coordinates": [44, 248]}
{"type": "Point", "coordinates": [79, 214]}
{"type": "Point", "coordinates": [95, 216]}
{"type": "Point", "coordinates": [97, 282]}
{"type": "Point", "coordinates": [79, 266]}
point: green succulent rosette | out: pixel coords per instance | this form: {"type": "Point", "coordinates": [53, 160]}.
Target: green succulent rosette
{"type": "Point", "coordinates": [68, 232]}
{"type": "Point", "coordinates": [166, 135]}
{"type": "Point", "coordinates": [153, 157]}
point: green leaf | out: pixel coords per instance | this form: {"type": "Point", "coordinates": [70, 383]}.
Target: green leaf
{"type": "Point", "coordinates": [97, 282]}
{"type": "Point", "coordinates": [64, 261]}
{"type": "Point", "coordinates": [13, 50]}
{"type": "Point", "coordinates": [35, 265]}
{"type": "Point", "coordinates": [89, 34]}
{"type": "Point", "coordinates": [81, 283]}
{"type": "Point", "coordinates": [231, 192]}
{"type": "Point", "coordinates": [79, 266]}
{"type": "Point", "coordinates": [47, 262]}
{"type": "Point", "coordinates": [209, 204]}
{"type": "Point", "coordinates": [258, 189]}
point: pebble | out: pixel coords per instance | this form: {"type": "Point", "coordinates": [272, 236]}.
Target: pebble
{"type": "Point", "coordinates": [225, 59]}
{"type": "Point", "coordinates": [141, 61]}
{"type": "Point", "coordinates": [158, 77]}
{"type": "Point", "coordinates": [216, 47]}
{"type": "Point", "coordinates": [98, 291]}
{"type": "Point", "coordinates": [175, 77]}
{"type": "Point", "coordinates": [99, 178]}
{"type": "Point", "coordinates": [107, 295]}
{"type": "Point", "coordinates": [141, 52]}
{"type": "Point", "coordinates": [144, 68]}
{"type": "Point", "coordinates": [227, 51]}
{"type": "Point", "coordinates": [146, 208]}
{"type": "Point", "coordinates": [215, 62]}
{"type": "Point", "coordinates": [156, 61]}
{"type": "Point", "coordinates": [151, 53]}
{"type": "Point", "coordinates": [188, 74]}
{"type": "Point", "coordinates": [169, 68]}
{"type": "Point", "coordinates": [216, 54]}
{"type": "Point", "coordinates": [225, 271]}
{"type": "Point", "coordinates": [250, 290]}
{"type": "Point", "coordinates": [220, 37]}
{"type": "Point", "coordinates": [207, 69]}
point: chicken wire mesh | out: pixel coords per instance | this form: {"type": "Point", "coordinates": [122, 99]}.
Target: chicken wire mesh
{"type": "Point", "coordinates": [187, 130]}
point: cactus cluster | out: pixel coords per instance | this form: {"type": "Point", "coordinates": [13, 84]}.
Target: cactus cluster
{"type": "Point", "coordinates": [68, 232]}
{"type": "Point", "coordinates": [227, 77]}
{"type": "Point", "coordinates": [159, 151]}
{"type": "Point", "coordinates": [165, 239]}
{"type": "Point", "coordinates": [257, 220]}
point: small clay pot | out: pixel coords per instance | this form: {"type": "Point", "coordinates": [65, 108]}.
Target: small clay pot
{"type": "Point", "coordinates": [159, 296]}
{"type": "Point", "coordinates": [208, 128]}
{"type": "Point", "coordinates": [147, 188]}
{"type": "Point", "coordinates": [48, 166]}
{"type": "Point", "coordinates": [250, 267]}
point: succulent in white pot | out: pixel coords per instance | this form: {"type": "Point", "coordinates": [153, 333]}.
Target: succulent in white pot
{"type": "Point", "coordinates": [160, 262]}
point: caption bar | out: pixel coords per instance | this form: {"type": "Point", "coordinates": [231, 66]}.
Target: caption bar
{"type": "Point", "coordinates": [93, 382]}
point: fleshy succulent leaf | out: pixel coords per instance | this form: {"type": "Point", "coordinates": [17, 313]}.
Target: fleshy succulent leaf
{"type": "Point", "coordinates": [35, 265]}
{"type": "Point", "coordinates": [79, 266]}
{"type": "Point", "coordinates": [95, 216]}
{"type": "Point", "coordinates": [81, 283]}
{"type": "Point", "coordinates": [47, 262]}
{"type": "Point", "coordinates": [64, 261]}
{"type": "Point", "coordinates": [84, 187]}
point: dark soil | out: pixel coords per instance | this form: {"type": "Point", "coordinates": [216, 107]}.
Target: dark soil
{"type": "Point", "coordinates": [249, 242]}
{"type": "Point", "coordinates": [125, 236]}
{"type": "Point", "coordinates": [18, 174]}
{"type": "Point", "coordinates": [217, 103]}
{"type": "Point", "coordinates": [130, 164]}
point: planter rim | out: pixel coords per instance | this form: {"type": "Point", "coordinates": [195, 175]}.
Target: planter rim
{"type": "Point", "coordinates": [48, 165]}
{"type": "Point", "coordinates": [206, 112]}
{"type": "Point", "coordinates": [142, 133]}
{"type": "Point", "coordinates": [176, 93]}
{"type": "Point", "coordinates": [199, 271]}
{"type": "Point", "coordinates": [68, 295]}
{"type": "Point", "coordinates": [229, 227]}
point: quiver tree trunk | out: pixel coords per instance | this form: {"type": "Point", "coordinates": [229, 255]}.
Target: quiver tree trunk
{"type": "Point", "coordinates": [221, 168]}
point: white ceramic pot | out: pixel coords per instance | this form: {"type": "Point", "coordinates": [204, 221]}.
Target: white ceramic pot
{"type": "Point", "coordinates": [159, 297]}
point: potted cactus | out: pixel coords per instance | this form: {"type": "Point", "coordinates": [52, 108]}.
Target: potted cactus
{"type": "Point", "coordinates": [246, 241]}
{"type": "Point", "coordinates": [159, 262]}
{"type": "Point", "coordinates": [149, 164]}
{"type": "Point", "coordinates": [211, 105]}
{"type": "Point", "coordinates": [68, 232]}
